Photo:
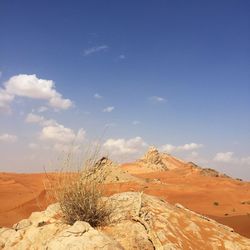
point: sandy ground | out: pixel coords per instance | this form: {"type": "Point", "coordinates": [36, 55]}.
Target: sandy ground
{"type": "Point", "coordinates": [223, 199]}
{"type": "Point", "coordinates": [20, 195]}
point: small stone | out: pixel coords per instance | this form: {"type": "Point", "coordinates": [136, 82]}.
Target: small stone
{"type": "Point", "coordinates": [22, 224]}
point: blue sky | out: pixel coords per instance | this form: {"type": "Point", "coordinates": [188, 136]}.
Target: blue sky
{"type": "Point", "coordinates": [174, 74]}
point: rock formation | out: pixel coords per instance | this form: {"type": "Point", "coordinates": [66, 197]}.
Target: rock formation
{"type": "Point", "coordinates": [152, 160]}
{"type": "Point", "coordinates": [112, 171]}
{"type": "Point", "coordinates": [206, 171]}
{"type": "Point", "coordinates": [138, 221]}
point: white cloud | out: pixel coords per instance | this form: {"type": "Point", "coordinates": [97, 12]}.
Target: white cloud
{"type": "Point", "coordinates": [80, 135]}
{"type": "Point", "coordinates": [31, 86]}
{"type": "Point", "coordinates": [95, 49]}
{"type": "Point", "coordinates": [48, 122]}
{"type": "Point", "coordinates": [59, 103]}
{"type": "Point", "coordinates": [245, 160]}
{"type": "Point", "coordinates": [228, 157]}
{"type": "Point", "coordinates": [125, 147]}
{"type": "Point", "coordinates": [194, 154]}
{"type": "Point", "coordinates": [5, 100]}
{"type": "Point", "coordinates": [157, 99]}
{"type": "Point", "coordinates": [34, 118]}
{"type": "Point", "coordinates": [60, 134]}
{"type": "Point", "coordinates": [56, 135]}
{"type": "Point", "coordinates": [190, 146]}
{"type": "Point", "coordinates": [186, 147]}
{"type": "Point", "coordinates": [42, 109]}
{"type": "Point", "coordinates": [8, 138]}
{"type": "Point", "coordinates": [97, 96]}
{"type": "Point", "coordinates": [168, 148]}
{"type": "Point", "coordinates": [33, 145]}
{"type": "Point", "coordinates": [224, 157]}
{"type": "Point", "coordinates": [108, 109]}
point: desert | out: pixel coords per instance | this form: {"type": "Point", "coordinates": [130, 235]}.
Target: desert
{"type": "Point", "coordinates": [124, 125]}
{"type": "Point", "coordinates": [213, 197]}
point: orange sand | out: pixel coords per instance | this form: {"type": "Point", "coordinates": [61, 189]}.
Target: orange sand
{"type": "Point", "coordinates": [21, 194]}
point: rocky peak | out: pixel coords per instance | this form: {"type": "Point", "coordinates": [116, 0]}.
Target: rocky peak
{"type": "Point", "coordinates": [153, 159]}
{"type": "Point", "coordinates": [152, 156]}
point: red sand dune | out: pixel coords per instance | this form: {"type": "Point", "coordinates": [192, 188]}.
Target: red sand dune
{"type": "Point", "coordinates": [216, 197]}
{"type": "Point", "coordinates": [21, 194]}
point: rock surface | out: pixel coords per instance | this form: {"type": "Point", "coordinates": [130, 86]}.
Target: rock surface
{"type": "Point", "coordinates": [112, 172]}
{"type": "Point", "coordinates": [138, 221]}
{"type": "Point", "coordinates": [152, 160]}
{"type": "Point", "coordinates": [206, 171]}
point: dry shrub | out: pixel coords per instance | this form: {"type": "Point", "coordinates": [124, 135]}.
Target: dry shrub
{"type": "Point", "coordinates": [79, 194]}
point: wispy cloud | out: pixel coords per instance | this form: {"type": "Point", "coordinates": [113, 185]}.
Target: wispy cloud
{"type": "Point", "coordinates": [245, 160]}
{"type": "Point", "coordinates": [186, 147]}
{"type": "Point", "coordinates": [108, 109]}
{"type": "Point", "coordinates": [157, 99]}
{"type": "Point", "coordinates": [8, 138]}
{"type": "Point", "coordinates": [229, 157]}
{"type": "Point", "coordinates": [136, 122]}
{"type": "Point", "coordinates": [122, 57]}
{"type": "Point", "coordinates": [5, 100]}
{"type": "Point", "coordinates": [97, 96]}
{"type": "Point", "coordinates": [95, 49]}
{"type": "Point", "coordinates": [110, 125]}
{"type": "Point", "coordinates": [224, 157]}
{"type": "Point", "coordinates": [34, 118]}
{"type": "Point", "coordinates": [33, 145]}
{"type": "Point", "coordinates": [42, 109]}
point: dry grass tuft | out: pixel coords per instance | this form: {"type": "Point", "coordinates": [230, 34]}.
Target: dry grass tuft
{"type": "Point", "coordinates": [79, 194]}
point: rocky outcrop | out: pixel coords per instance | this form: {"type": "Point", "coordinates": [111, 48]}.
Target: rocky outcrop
{"type": "Point", "coordinates": [206, 171]}
{"type": "Point", "coordinates": [138, 221]}
{"type": "Point", "coordinates": [111, 172]}
{"type": "Point", "coordinates": [153, 160]}
{"type": "Point", "coordinates": [212, 172]}
{"type": "Point", "coordinates": [43, 231]}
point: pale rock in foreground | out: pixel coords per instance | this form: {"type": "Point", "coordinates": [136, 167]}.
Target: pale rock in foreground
{"type": "Point", "coordinates": [138, 221]}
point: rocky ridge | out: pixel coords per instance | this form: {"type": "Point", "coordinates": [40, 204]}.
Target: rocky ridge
{"type": "Point", "coordinates": [152, 160]}
{"type": "Point", "coordinates": [138, 221]}
{"type": "Point", "coordinates": [206, 171]}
